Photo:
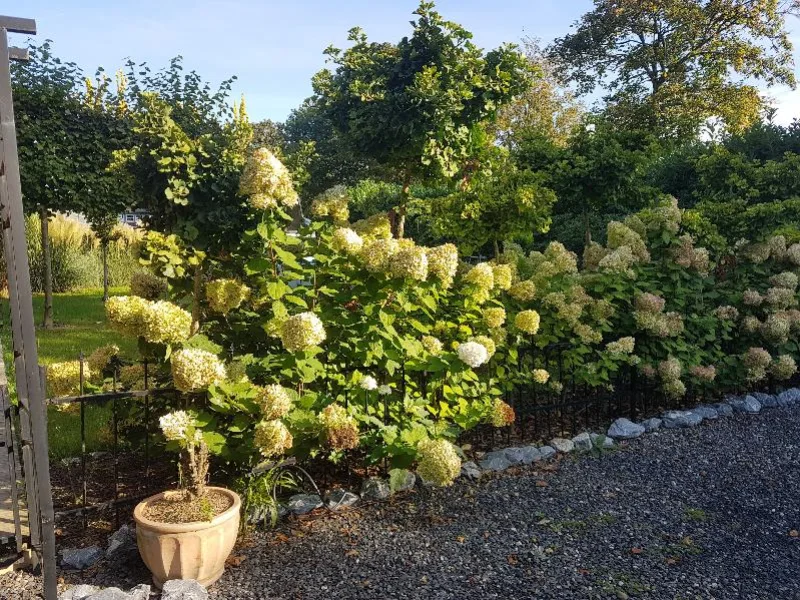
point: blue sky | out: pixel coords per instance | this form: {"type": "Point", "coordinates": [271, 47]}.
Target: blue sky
{"type": "Point", "coordinates": [275, 47]}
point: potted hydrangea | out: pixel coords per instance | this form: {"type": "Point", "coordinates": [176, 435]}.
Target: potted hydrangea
{"type": "Point", "coordinates": [187, 533]}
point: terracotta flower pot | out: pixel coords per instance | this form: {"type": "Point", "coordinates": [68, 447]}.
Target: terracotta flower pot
{"type": "Point", "coordinates": [187, 550]}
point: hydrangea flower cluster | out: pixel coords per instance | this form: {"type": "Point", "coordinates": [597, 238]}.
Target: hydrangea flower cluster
{"type": "Point", "coordinates": [166, 323]}
{"type": "Point", "coordinates": [374, 227]}
{"type": "Point", "coordinates": [670, 373]}
{"type": "Point", "coordinates": [302, 332]}
{"type": "Point", "coordinates": [649, 316]}
{"type": "Point", "coordinates": [126, 313]}
{"type": "Point", "coordinates": [346, 240]}
{"type": "Point", "coordinates": [177, 426]}
{"type": "Point", "coordinates": [540, 376]}
{"type": "Point", "coordinates": [523, 291]}
{"type": "Point", "coordinates": [527, 321]}
{"type": "Point", "coordinates": [620, 260]}
{"type": "Point", "coordinates": [332, 203]}
{"type": "Point", "coordinates": [487, 343]}
{"type": "Point", "coordinates": [620, 235]}
{"type": "Point", "coordinates": [481, 276]}
{"type": "Point", "coordinates": [266, 182]}
{"type": "Point", "coordinates": [624, 345]}
{"type": "Point", "coordinates": [64, 378]}
{"type": "Point", "coordinates": [704, 373]}
{"type": "Point", "coordinates": [777, 247]}
{"type": "Point", "coordinates": [225, 295]}
{"type": "Point", "coordinates": [587, 334]}
{"type": "Point", "coordinates": [432, 345]}
{"type": "Point", "coordinates": [786, 279]}
{"type": "Point", "coordinates": [193, 369]}
{"type": "Point", "coordinates": [726, 313]}
{"type": "Point", "coordinates": [667, 216]}
{"type": "Point", "coordinates": [756, 362]}
{"type": "Point", "coordinates": [411, 262]}
{"type": "Point", "coordinates": [100, 359]}
{"type": "Point", "coordinates": [793, 254]}
{"type": "Point", "coordinates": [776, 328]}
{"type": "Point", "coordinates": [272, 438]}
{"type": "Point", "coordinates": [752, 298]}
{"type": "Point", "coordinates": [502, 414]}
{"type": "Point", "coordinates": [503, 276]}
{"type": "Point", "coordinates": [689, 257]}
{"type": "Point", "coordinates": [340, 430]}
{"type": "Point", "coordinates": [443, 263]}
{"type": "Point", "coordinates": [273, 401]}
{"type": "Point", "coordinates": [757, 253]}
{"type": "Point", "coordinates": [438, 462]}
{"type": "Point", "coordinates": [784, 367]}
{"type": "Point", "coordinates": [473, 354]}
{"type": "Point", "coordinates": [780, 297]}
{"type": "Point", "coordinates": [376, 254]}
{"type": "Point", "coordinates": [564, 261]}
{"type": "Point", "coordinates": [368, 383]}
{"type": "Point", "coordinates": [494, 317]}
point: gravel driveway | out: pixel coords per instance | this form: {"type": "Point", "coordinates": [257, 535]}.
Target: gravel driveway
{"type": "Point", "coordinates": [704, 513]}
{"type": "Point", "coordinates": [709, 512]}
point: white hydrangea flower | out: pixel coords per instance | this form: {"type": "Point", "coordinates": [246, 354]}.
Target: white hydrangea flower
{"type": "Point", "coordinates": [384, 390]}
{"type": "Point", "coordinates": [369, 383]}
{"type": "Point", "coordinates": [175, 425]}
{"type": "Point", "coordinates": [473, 354]}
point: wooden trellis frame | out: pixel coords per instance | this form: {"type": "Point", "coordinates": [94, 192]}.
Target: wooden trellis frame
{"type": "Point", "coordinates": [29, 385]}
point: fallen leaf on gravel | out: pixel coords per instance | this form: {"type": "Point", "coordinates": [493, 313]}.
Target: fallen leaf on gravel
{"type": "Point", "coordinates": [636, 550]}
{"type": "Point", "coordinates": [794, 533]}
{"type": "Point", "coordinates": [351, 553]}
{"type": "Point", "coordinates": [512, 559]}
{"type": "Point", "coordinates": [672, 560]}
{"type": "Point", "coordinates": [541, 483]}
{"type": "Point", "coordinates": [584, 571]}
{"type": "Point", "coordinates": [461, 539]}
{"type": "Point", "coordinates": [234, 561]}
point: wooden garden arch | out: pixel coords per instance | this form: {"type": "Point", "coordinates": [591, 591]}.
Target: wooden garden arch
{"type": "Point", "coordinates": [29, 381]}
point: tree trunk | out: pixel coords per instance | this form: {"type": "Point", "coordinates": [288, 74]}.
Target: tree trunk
{"type": "Point", "coordinates": [400, 213]}
{"type": "Point", "coordinates": [47, 259]}
{"type": "Point", "coordinates": [196, 292]}
{"type": "Point", "coordinates": [496, 249]}
{"type": "Point", "coordinates": [587, 230]}
{"type": "Point", "coordinates": [104, 245]}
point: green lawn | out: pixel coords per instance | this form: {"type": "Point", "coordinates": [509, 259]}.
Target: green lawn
{"type": "Point", "coordinates": [80, 326]}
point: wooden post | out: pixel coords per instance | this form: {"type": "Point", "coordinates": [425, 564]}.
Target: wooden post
{"type": "Point", "coordinates": [30, 392]}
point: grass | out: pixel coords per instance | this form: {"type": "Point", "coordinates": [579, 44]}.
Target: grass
{"type": "Point", "coordinates": [81, 326]}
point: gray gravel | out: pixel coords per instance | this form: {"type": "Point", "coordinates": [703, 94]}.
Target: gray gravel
{"type": "Point", "coordinates": [709, 512]}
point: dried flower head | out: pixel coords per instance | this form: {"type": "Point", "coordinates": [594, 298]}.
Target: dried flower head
{"type": "Point", "coordinates": [502, 414]}
{"type": "Point", "coordinates": [274, 401]}
{"type": "Point", "coordinates": [784, 367]}
{"type": "Point", "coordinates": [340, 430]}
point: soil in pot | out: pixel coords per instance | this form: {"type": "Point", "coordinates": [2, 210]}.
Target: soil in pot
{"type": "Point", "coordinates": [179, 507]}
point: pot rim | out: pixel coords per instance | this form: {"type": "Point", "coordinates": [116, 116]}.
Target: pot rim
{"type": "Point", "coordinates": [231, 512]}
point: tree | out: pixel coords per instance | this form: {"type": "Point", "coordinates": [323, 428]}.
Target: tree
{"type": "Point", "coordinates": [548, 108]}
{"type": "Point", "coordinates": [414, 107]}
{"type": "Point", "coordinates": [672, 64]}
{"type": "Point", "coordinates": [66, 141]}
{"type": "Point", "coordinates": [501, 204]}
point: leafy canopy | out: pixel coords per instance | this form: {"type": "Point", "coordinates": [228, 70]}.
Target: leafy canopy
{"type": "Point", "coordinates": [413, 106]}
{"type": "Point", "coordinates": [672, 64]}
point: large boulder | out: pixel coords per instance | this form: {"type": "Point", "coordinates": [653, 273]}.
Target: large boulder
{"type": "Point", "coordinates": [375, 488]}
{"type": "Point", "coordinates": [301, 504]}
{"type": "Point", "coordinates": [183, 589]}
{"type": "Point", "coordinates": [547, 452]}
{"type": "Point", "coordinates": [723, 409]}
{"type": "Point", "coordinates": [77, 559]}
{"type": "Point", "coordinates": [523, 455]}
{"type": "Point", "coordinates": [766, 400]}
{"type": "Point", "coordinates": [789, 397]}
{"type": "Point", "coordinates": [495, 461]}
{"type": "Point", "coordinates": [680, 419]}
{"type": "Point", "coordinates": [339, 499]}
{"type": "Point", "coordinates": [562, 445]}
{"type": "Point", "coordinates": [625, 429]}
{"type": "Point", "coordinates": [651, 424]}
{"type": "Point", "coordinates": [746, 404]}
{"type": "Point", "coordinates": [582, 442]}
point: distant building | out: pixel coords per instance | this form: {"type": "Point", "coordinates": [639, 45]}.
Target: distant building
{"type": "Point", "coordinates": [133, 218]}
